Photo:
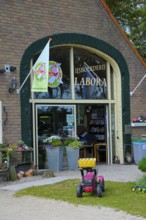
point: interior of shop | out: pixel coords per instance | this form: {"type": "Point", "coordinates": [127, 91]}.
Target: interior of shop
{"type": "Point", "coordinates": [88, 121]}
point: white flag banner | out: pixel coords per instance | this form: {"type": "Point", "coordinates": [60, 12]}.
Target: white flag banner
{"type": "Point", "coordinates": [40, 71]}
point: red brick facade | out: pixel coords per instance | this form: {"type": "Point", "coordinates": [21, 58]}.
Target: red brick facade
{"type": "Point", "coordinates": [23, 22]}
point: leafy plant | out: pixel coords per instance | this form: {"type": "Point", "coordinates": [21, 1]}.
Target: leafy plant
{"type": "Point", "coordinates": [2, 145]}
{"type": "Point", "coordinates": [142, 164]}
{"type": "Point", "coordinates": [69, 140]}
{"type": "Point", "coordinates": [75, 144]}
{"type": "Point", "coordinates": [20, 143]}
{"type": "Point", "coordinates": [54, 141]}
{"type": "Point", "coordinates": [12, 146]}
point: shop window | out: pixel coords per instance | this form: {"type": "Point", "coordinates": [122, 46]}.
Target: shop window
{"type": "Point", "coordinates": [59, 82]}
{"type": "Point", "coordinates": [55, 120]}
{"type": "Point", "coordinates": [89, 75]}
{"type": "Point", "coordinates": [88, 79]}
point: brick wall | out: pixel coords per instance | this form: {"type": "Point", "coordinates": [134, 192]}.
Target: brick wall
{"type": "Point", "coordinates": [23, 22]}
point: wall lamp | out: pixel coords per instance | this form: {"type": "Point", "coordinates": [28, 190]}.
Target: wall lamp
{"type": "Point", "coordinates": [13, 85]}
{"type": "Point", "coordinates": [7, 69]}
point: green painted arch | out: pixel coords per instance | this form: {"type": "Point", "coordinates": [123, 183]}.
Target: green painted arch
{"type": "Point", "coordinates": [70, 38]}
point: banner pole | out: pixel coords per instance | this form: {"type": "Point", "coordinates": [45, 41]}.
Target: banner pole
{"type": "Point", "coordinates": [131, 93]}
{"type": "Point", "coordinates": [18, 90]}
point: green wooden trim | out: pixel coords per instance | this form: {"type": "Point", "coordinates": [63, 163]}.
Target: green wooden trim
{"type": "Point", "coordinates": [71, 38]}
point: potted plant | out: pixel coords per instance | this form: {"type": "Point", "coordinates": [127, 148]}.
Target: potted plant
{"type": "Point", "coordinates": [72, 149]}
{"type": "Point", "coordinates": [55, 153]}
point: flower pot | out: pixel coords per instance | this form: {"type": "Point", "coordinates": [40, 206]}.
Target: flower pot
{"type": "Point", "coordinates": [55, 158]}
{"type": "Point", "coordinates": [72, 158]}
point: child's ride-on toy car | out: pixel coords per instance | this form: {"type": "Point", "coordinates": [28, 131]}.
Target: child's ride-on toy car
{"type": "Point", "coordinates": [90, 182]}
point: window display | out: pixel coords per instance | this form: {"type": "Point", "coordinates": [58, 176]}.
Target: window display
{"type": "Point", "coordinates": [59, 80]}
{"type": "Point", "coordinates": [85, 72]}
{"type": "Point", "coordinates": [89, 75]}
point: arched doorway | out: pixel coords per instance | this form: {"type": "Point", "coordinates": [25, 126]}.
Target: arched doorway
{"type": "Point", "coordinates": [113, 99]}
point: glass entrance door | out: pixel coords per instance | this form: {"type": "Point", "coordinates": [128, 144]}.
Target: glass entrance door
{"type": "Point", "coordinates": [88, 121]}
{"type": "Point", "coordinates": [52, 120]}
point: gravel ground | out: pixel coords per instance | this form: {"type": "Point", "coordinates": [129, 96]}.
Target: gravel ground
{"type": "Point", "coordinates": [31, 208]}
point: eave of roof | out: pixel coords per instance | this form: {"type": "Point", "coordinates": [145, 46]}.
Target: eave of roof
{"type": "Point", "coordinates": [123, 33]}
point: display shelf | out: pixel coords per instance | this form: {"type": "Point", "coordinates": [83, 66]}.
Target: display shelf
{"type": "Point", "coordinates": [21, 156]}
{"type": "Point", "coordinates": [97, 123]}
{"type": "Point", "coordinates": [22, 159]}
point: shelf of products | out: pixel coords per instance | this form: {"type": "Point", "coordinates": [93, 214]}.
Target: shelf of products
{"type": "Point", "coordinates": [97, 124]}
{"type": "Point", "coordinates": [22, 160]}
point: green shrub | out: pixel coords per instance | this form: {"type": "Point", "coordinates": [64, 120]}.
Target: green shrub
{"type": "Point", "coordinates": [142, 164]}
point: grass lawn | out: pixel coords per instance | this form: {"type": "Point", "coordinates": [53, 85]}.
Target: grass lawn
{"type": "Point", "coordinates": [117, 195]}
